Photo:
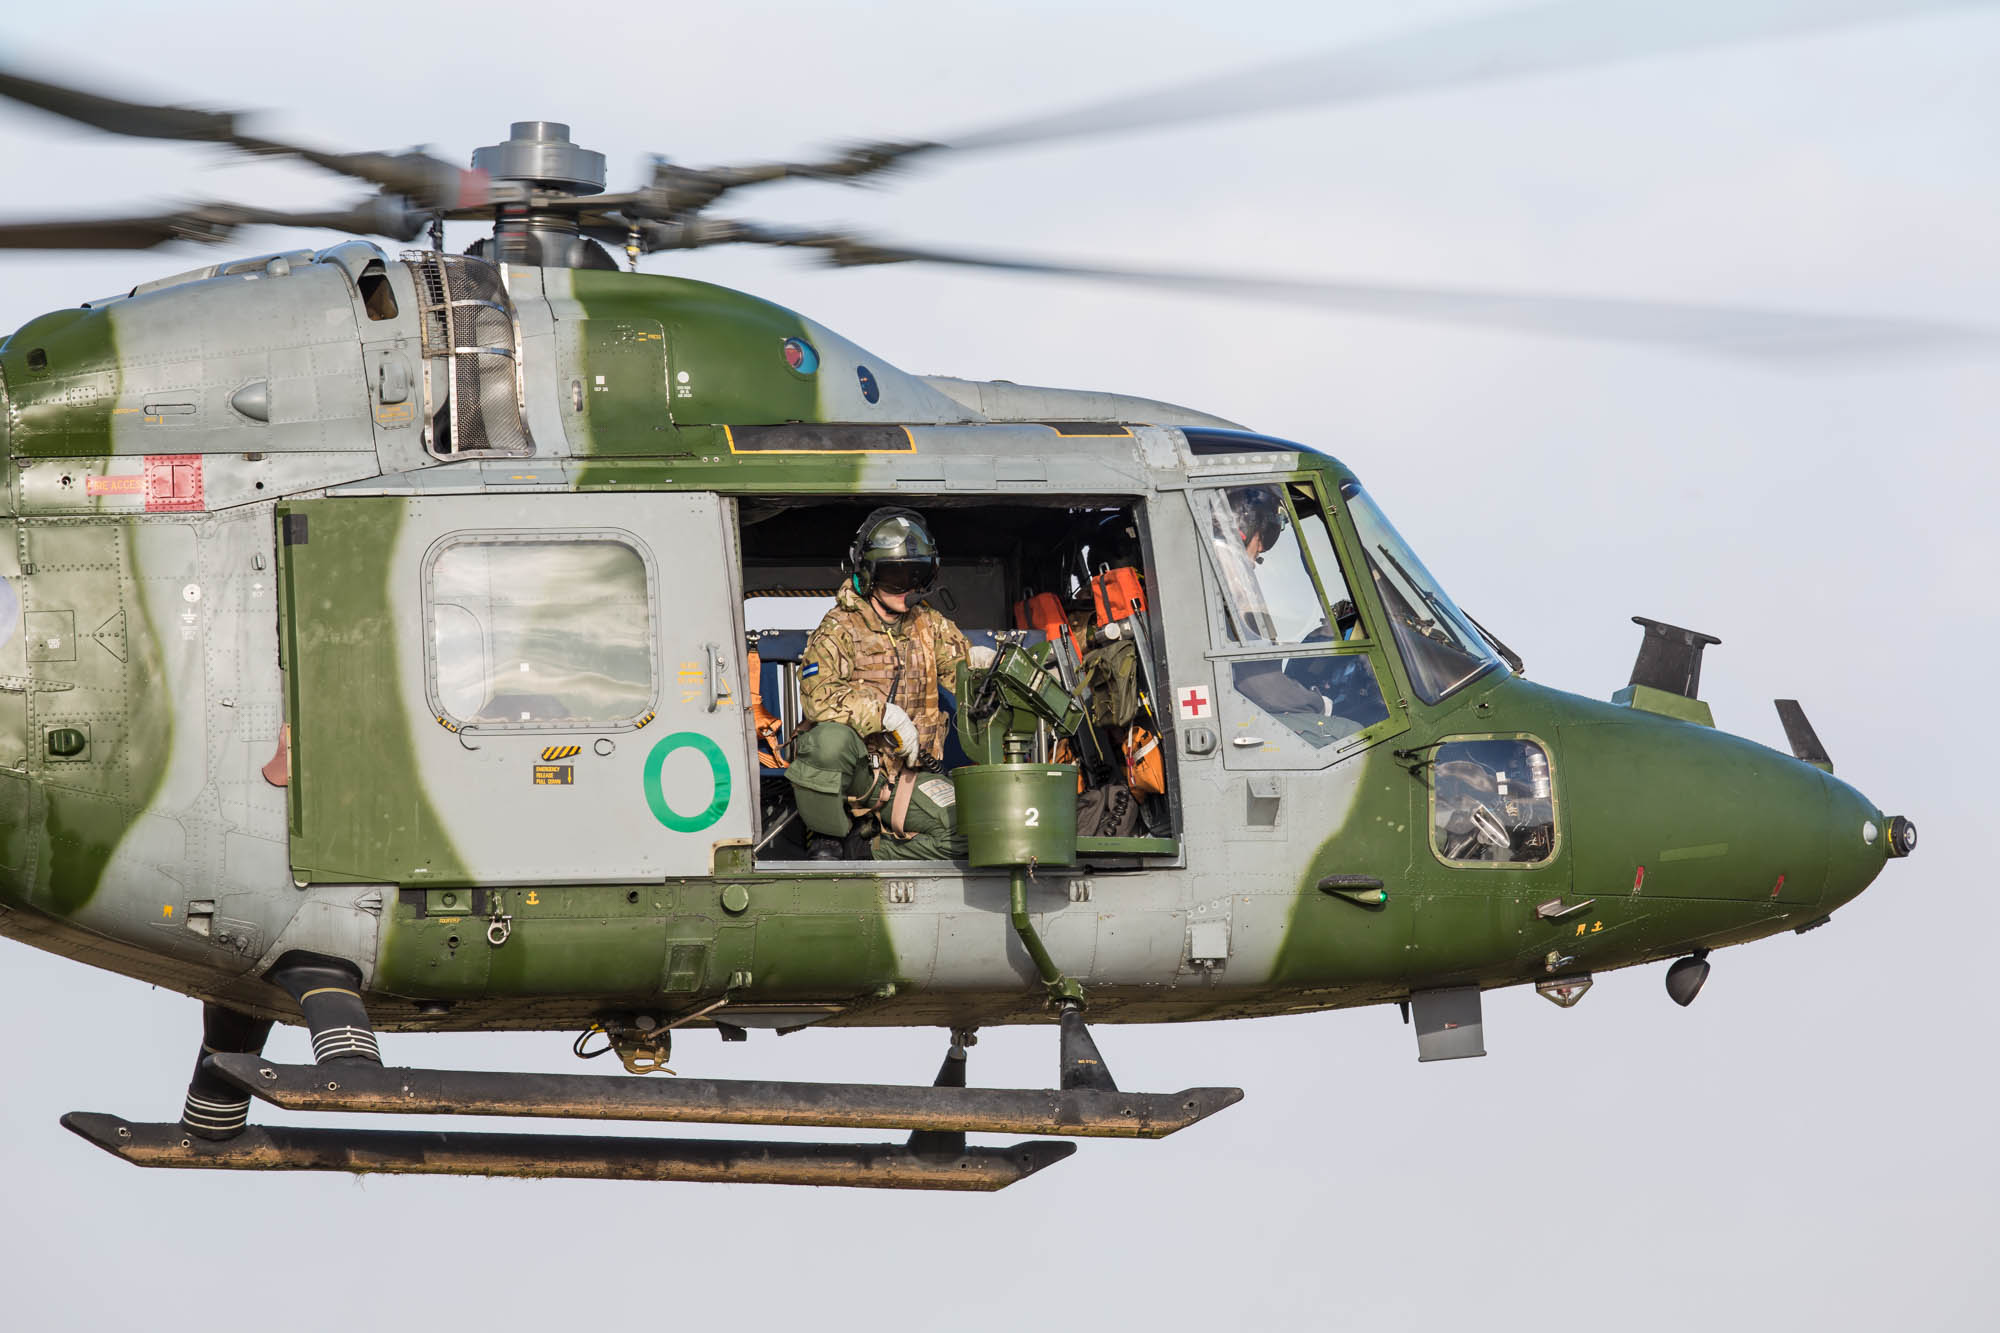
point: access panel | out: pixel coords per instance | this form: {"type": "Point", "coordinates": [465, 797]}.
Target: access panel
{"type": "Point", "coordinates": [517, 688]}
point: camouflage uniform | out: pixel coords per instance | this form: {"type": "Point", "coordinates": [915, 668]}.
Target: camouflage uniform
{"type": "Point", "coordinates": [845, 764]}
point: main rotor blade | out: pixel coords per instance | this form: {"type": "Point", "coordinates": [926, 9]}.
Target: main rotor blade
{"type": "Point", "coordinates": [210, 223]}
{"type": "Point", "coordinates": [383, 215]}
{"type": "Point", "coordinates": [108, 113]}
{"type": "Point", "coordinates": [1735, 331]}
{"type": "Point", "coordinates": [1515, 43]}
{"type": "Point", "coordinates": [141, 233]}
{"type": "Point", "coordinates": [429, 181]}
{"type": "Point", "coordinates": [1486, 48]}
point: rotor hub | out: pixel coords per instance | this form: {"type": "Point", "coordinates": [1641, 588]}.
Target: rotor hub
{"type": "Point", "coordinates": [541, 153]}
{"type": "Point", "coordinates": [541, 156]}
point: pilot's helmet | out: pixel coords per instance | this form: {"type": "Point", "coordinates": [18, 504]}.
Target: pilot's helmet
{"type": "Point", "coordinates": [893, 552]}
{"type": "Point", "coordinates": [1260, 515]}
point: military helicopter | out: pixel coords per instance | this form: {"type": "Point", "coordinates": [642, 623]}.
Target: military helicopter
{"type": "Point", "coordinates": [387, 660]}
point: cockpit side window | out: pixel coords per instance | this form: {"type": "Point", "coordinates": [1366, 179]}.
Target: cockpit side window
{"type": "Point", "coordinates": [1261, 557]}
{"type": "Point", "coordinates": [1344, 624]}
{"type": "Point", "coordinates": [1287, 622]}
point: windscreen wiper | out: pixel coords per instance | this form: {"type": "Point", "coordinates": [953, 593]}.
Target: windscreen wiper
{"type": "Point", "coordinates": [1513, 658]}
{"type": "Point", "coordinates": [1430, 598]}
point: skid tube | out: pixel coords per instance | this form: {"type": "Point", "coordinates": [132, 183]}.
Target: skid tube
{"type": "Point", "coordinates": [572, 1157]}
{"type": "Point", "coordinates": [1070, 1112]}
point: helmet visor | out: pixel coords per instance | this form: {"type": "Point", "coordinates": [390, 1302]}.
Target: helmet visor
{"type": "Point", "coordinates": [900, 576]}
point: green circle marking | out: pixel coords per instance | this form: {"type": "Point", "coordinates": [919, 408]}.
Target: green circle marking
{"type": "Point", "coordinates": [656, 796]}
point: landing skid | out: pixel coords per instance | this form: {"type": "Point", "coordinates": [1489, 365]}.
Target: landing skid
{"type": "Point", "coordinates": [569, 1157]}
{"type": "Point", "coordinates": [1072, 1112]}
{"type": "Point", "coordinates": [214, 1132]}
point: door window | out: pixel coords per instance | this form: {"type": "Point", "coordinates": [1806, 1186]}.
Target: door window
{"type": "Point", "coordinates": [1279, 585]}
{"type": "Point", "coordinates": [552, 631]}
{"type": "Point", "coordinates": [1267, 587]}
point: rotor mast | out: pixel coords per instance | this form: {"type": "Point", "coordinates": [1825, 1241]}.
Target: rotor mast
{"type": "Point", "coordinates": [540, 157]}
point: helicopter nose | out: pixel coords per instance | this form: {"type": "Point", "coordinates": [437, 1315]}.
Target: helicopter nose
{"type": "Point", "coordinates": [1664, 810]}
{"type": "Point", "coordinates": [1860, 841]}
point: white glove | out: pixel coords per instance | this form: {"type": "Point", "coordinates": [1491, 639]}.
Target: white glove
{"type": "Point", "coordinates": [980, 656]}
{"type": "Point", "coordinates": [894, 719]}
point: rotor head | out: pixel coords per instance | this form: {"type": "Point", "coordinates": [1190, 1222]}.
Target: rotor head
{"type": "Point", "coordinates": [540, 153]}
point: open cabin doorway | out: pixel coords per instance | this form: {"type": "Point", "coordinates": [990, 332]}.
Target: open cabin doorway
{"type": "Point", "coordinates": [1020, 570]}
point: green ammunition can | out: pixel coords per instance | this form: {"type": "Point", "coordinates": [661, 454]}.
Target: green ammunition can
{"type": "Point", "coordinates": [1017, 814]}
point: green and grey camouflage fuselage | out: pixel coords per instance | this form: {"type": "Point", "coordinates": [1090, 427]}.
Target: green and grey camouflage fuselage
{"type": "Point", "coordinates": [230, 503]}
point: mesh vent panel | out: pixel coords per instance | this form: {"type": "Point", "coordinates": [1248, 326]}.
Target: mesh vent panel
{"type": "Point", "coordinates": [468, 323]}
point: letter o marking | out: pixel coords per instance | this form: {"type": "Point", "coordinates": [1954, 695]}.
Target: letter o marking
{"type": "Point", "coordinates": [656, 796]}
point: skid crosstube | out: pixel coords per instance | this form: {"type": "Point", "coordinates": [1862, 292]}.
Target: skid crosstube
{"type": "Point", "coordinates": [576, 1157]}
{"type": "Point", "coordinates": [1073, 1112]}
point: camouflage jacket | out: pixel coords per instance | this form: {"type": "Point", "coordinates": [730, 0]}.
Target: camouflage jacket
{"type": "Point", "coordinates": [852, 662]}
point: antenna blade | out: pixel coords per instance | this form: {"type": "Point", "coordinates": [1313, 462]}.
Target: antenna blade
{"type": "Point", "coordinates": [1487, 48]}
{"type": "Point", "coordinates": [1799, 734]}
{"type": "Point", "coordinates": [1670, 657]}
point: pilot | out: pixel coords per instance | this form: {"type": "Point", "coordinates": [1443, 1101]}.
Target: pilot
{"type": "Point", "coordinates": [867, 760]}
{"type": "Point", "coordinates": [1259, 519]}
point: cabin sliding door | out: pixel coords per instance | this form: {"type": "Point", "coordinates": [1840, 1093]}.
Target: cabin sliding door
{"type": "Point", "coordinates": [529, 688]}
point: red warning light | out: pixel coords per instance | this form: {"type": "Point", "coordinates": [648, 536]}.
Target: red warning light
{"type": "Point", "coordinates": [800, 356]}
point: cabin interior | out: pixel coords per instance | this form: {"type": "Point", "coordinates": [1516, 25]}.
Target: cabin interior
{"type": "Point", "coordinates": [996, 558]}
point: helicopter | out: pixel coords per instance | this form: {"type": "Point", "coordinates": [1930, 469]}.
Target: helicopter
{"type": "Point", "coordinates": [371, 829]}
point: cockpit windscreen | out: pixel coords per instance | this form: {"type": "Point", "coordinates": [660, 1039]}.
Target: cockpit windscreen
{"type": "Point", "coordinates": [1440, 647]}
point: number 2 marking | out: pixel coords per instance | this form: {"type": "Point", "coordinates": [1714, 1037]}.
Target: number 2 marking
{"type": "Point", "coordinates": [1034, 819]}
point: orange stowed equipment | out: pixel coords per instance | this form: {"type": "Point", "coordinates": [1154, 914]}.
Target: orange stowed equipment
{"type": "Point", "coordinates": [769, 752]}
{"type": "Point", "coordinates": [1044, 611]}
{"type": "Point", "coordinates": [1064, 752]}
{"type": "Point", "coordinates": [1145, 772]}
{"type": "Point", "coordinates": [1119, 593]}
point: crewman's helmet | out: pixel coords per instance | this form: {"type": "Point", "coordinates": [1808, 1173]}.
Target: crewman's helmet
{"type": "Point", "coordinates": [893, 553]}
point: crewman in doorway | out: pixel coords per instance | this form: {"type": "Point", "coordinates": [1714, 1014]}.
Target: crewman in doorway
{"type": "Point", "coordinates": [866, 765]}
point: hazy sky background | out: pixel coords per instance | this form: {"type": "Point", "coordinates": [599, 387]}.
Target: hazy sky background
{"type": "Point", "coordinates": [1809, 1146]}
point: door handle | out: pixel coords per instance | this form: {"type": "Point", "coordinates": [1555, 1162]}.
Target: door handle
{"type": "Point", "coordinates": [1361, 890]}
{"type": "Point", "coordinates": [1245, 742]}
{"type": "Point", "coordinates": [717, 692]}
{"type": "Point", "coordinates": [1553, 909]}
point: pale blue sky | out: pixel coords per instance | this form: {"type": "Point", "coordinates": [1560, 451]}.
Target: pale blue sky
{"type": "Point", "coordinates": [1808, 1146]}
